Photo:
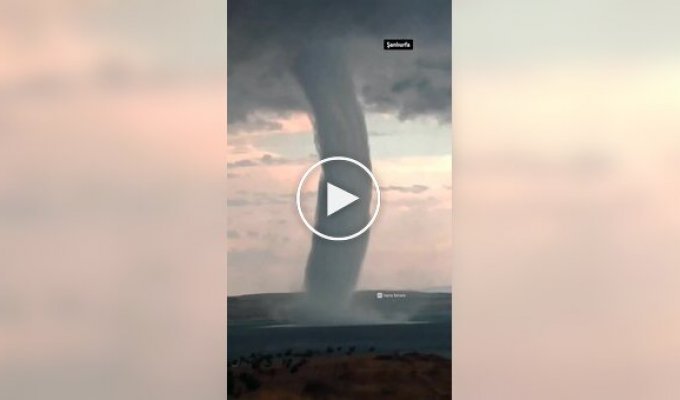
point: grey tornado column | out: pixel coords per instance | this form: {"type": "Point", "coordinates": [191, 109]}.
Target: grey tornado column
{"type": "Point", "coordinates": [333, 267]}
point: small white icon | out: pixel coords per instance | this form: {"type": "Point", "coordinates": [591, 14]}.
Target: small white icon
{"type": "Point", "coordinates": [379, 295]}
{"type": "Point", "coordinates": [337, 199]}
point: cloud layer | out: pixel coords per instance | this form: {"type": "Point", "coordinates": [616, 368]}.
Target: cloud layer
{"type": "Point", "coordinates": [264, 36]}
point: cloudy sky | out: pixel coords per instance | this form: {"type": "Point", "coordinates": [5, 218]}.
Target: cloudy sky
{"type": "Point", "coordinates": [407, 100]}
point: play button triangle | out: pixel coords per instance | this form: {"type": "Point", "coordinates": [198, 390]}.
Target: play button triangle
{"type": "Point", "coordinates": [337, 199]}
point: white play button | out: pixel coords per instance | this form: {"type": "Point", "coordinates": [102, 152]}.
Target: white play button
{"type": "Point", "coordinates": [337, 199]}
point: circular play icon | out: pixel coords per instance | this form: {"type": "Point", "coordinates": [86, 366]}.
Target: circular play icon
{"type": "Point", "coordinates": [344, 198]}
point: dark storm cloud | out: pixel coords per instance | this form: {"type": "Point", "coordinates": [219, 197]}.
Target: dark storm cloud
{"type": "Point", "coordinates": [413, 95]}
{"type": "Point", "coordinates": [265, 35]}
